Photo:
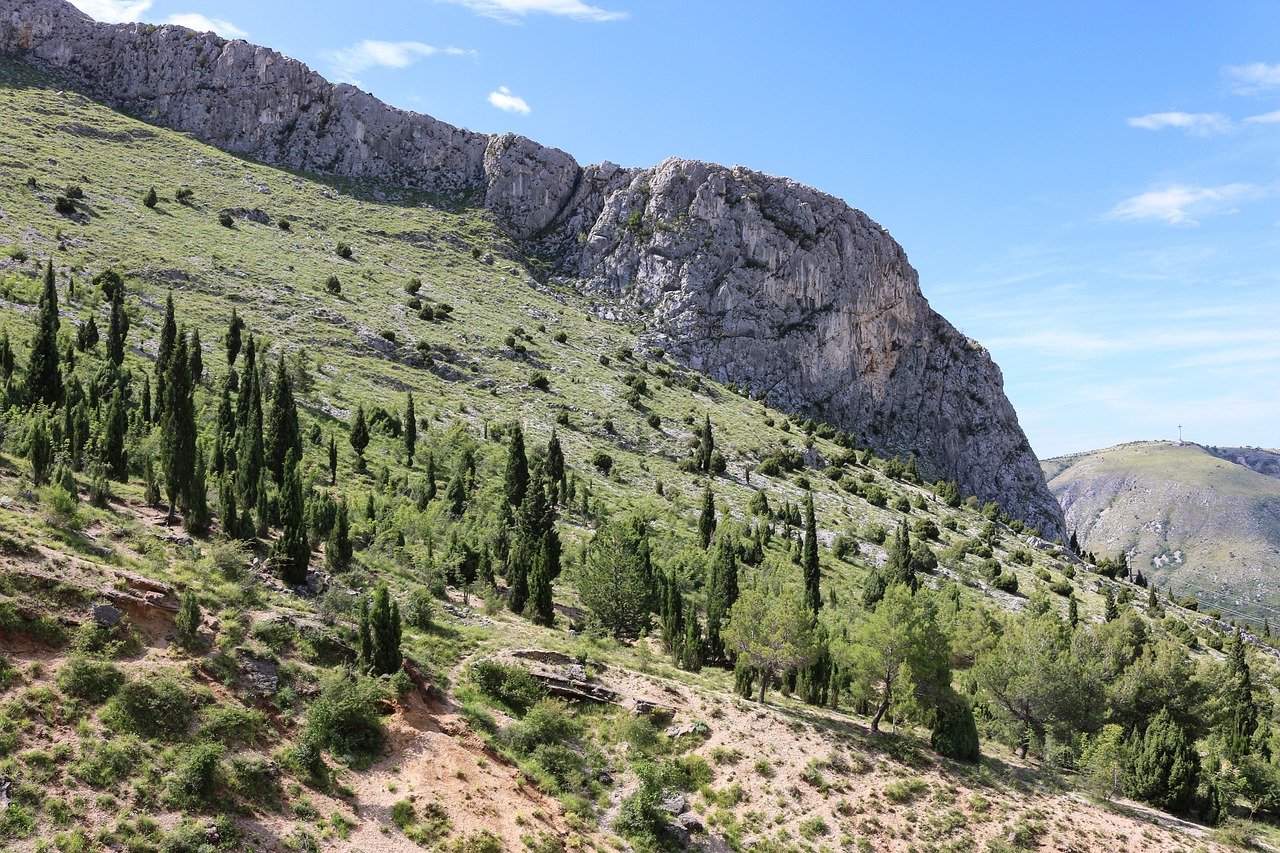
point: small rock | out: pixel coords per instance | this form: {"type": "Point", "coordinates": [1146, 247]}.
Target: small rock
{"type": "Point", "coordinates": [675, 804]}
{"type": "Point", "coordinates": [106, 616]}
{"type": "Point", "coordinates": [259, 676]}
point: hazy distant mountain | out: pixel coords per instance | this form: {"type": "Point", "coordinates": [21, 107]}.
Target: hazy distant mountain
{"type": "Point", "coordinates": [1203, 521]}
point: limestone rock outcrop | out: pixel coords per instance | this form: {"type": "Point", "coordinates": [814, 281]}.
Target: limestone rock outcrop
{"type": "Point", "coordinates": [748, 278]}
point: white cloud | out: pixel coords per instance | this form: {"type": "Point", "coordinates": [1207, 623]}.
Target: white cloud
{"type": "Point", "coordinates": [201, 24]}
{"type": "Point", "coordinates": [1265, 118]}
{"type": "Point", "coordinates": [114, 11]}
{"type": "Point", "coordinates": [386, 54]}
{"type": "Point", "coordinates": [1177, 204]}
{"type": "Point", "coordinates": [513, 11]}
{"type": "Point", "coordinates": [1252, 78]}
{"type": "Point", "coordinates": [1196, 124]}
{"type": "Point", "coordinates": [504, 100]}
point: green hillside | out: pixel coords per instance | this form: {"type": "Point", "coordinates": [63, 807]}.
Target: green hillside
{"type": "Point", "coordinates": [1195, 521]}
{"type": "Point", "coordinates": [179, 685]}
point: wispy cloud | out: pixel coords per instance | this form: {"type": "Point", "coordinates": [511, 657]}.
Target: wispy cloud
{"type": "Point", "coordinates": [1178, 204]}
{"type": "Point", "coordinates": [385, 54]}
{"type": "Point", "coordinates": [201, 24]}
{"type": "Point", "coordinates": [1196, 124]}
{"type": "Point", "coordinates": [1252, 78]}
{"type": "Point", "coordinates": [114, 11]}
{"type": "Point", "coordinates": [1265, 118]}
{"type": "Point", "coordinates": [515, 11]}
{"type": "Point", "coordinates": [507, 102]}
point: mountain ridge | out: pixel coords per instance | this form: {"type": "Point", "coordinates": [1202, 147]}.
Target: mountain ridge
{"type": "Point", "coordinates": [710, 254]}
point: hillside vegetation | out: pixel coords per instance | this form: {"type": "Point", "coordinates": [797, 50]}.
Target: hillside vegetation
{"type": "Point", "coordinates": [1194, 520]}
{"type": "Point", "coordinates": [339, 529]}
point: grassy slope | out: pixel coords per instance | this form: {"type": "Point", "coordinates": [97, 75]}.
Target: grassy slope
{"type": "Point", "coordinates": [53, 568]}
{"type": "Point", "coordinates": [1199, 524]}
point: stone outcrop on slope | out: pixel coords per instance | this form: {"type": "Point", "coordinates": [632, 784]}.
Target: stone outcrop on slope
{"type": "Point", "coordinates": [749, 278]}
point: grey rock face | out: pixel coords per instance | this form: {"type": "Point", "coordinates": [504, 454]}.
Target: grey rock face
{"type": "Point", "coordinates": [749, 278]}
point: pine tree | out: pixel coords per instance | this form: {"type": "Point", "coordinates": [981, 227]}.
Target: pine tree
{"type": "Point", "coordinates": [613, 585]}
{"type": "Point", "coordinates": [283, 435]}
{"type": "Point", "coordinates": [410, 430]}
{"type": "Point", "coordinates": [44, 376]}
{"type": "Point", "coordinates": [118, 327]}
{"type": "Point", "coordinates": [178, 429]}
{"type": "Point", "coordinates": [812, 572]}
{"type": "Point", "coordinates": [707, 518]}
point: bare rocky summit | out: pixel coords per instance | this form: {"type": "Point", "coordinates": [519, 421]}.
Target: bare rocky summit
{"type": "Point", "coordinates": [751, 279]}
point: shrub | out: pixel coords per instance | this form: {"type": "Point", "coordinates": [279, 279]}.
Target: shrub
{"type": "Point", "coordinates": [150, 199]}
{"type": "Point", "coordinates": [602, 462]}
{"type": "Point", "coordinates": [654, 420]}
{"type": "Point", "coordinates": [226, 220]}
{"type": "Point", "coordinates": [284, 225]}
{"type": "Point", "coordinates": [538, 379]}
{"type": "Point", "coordinates": [955, 734]}
{"type": "Point", "coordinates": [905, 790]}
{"type": "Point", "coordinates": [75, 191]}
{"type": "Point", "coordinates": [513, 686]}
{"type": "Point", "coordinates": [413, 285]}
{"type": "Point", "coordinates": [343, 251]}
{"type": "Point", "coordinates": [403, 814]}
{"type": "Point", "coordinates": [345, 718]}
{"type": "Point", "coordinates": [545, 723]}
{"type": "Point", "coordinates": [332, 285]}
{"type": "Point", "coordinates": [1006, 583]}
{"type": "Point", "coordinates": [198, 774]}
{"type": "Point", "coordinates": [154, 707]}
{"type": "Point", "coordinates": [230, 724]}
{"type": "Point", "coordinates": [560, 337]}
{"type": "Point", "coordinates": [103, 764]}
{"type": "Point", "coordinates": [91, 680]}
{"type": "Point", "coordinates": [184, 194]}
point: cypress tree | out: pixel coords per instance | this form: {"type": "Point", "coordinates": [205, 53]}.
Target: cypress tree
{"type": "Point", "coordinates": [144, 410]}
{"type": "Point", "coordinates": [337, 548]}
{"type": "Point", "coordinates": [118, 327]}
{"type": "Point", "coordinates": [812, 573]}
{"type": "Point", "coordinates": [555, 468]}
{"type": "Point", "coordinates": [115, 432]}
{"type": "Point", "coordinates": [1073, 611]}
{"type": "Point", "coordinates": [39, 451]}
{"type": "Point", "coordinates": [291, 552]}
{"type": "Point", "coordinates": [1242, 712]}
{"type": "Point", "coordinates": [333, 460]}
{"type": "Point", "coordinates": [722, 593]}
{"type": "Point", "coordinates": [384, 633]}
{"type": "Point", "coordinates": [232, 338]}
{"type": "Point", "coordinates": [429, 491]}
{"type": "Point", "coordinates": [197, 358]}
{"type": "Point", "coordinates": [410, 430]}
{"type": "Point", "coordinates": [673, 629]}
{"type": "Point", "coordinates": [1163, 765]}
{"type": "Point", "coordinates": [283, 435]}
{"type": "Point", "coordinates": [691, 647]}
{"type": "Point", "coordinates": [250, 444]}
{"type": "Point", "coordinates": [227, 506]}
{"type": "Point", "coordinates": [178, 429]}
{"type": "Point", "coordinates": [6, 355]}
{"type": "Point", "coordinates": [1110, 612]}
{"type": "Point", "coordinates": [707, 518]}
{"type": "Point", "coordinates": [535, 555]}
{"type": "Point", "coordinates": [359, 432]}
{"type": "Point", "coordinates": [168, 340]}
{"type": "Point", "coordinates": [366, 635]}
{"type": "Point", "coordinates": [44, 376]}
{"type": "Point", "coordinates": [706, 447]}
{"type": "Point", "coordinates": [87, 336]}
{"type": "Point", "coordinates": [455, 494]}
{"type": "Point", "coordinates": [197, 518]}
{"type": "Point", "coordinates": [515, 478]}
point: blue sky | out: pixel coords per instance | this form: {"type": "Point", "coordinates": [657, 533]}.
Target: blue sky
{"type": "Point", "coordinates": [1089, 189]}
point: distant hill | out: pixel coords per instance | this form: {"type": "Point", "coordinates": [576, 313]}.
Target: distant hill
{"type": "Point", "coordinates": [1201, 521]}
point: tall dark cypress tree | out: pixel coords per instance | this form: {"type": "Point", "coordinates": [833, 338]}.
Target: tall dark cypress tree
{"type": "Point", "coordinates": [44, 375]}
{"type": "Point", "coordinates": [429, 488]}
{"type": "Point", "coordinates": [515, 478]}
{"type": "Point", "coordinates": [707, 518]}
{"type": "Point", "coordinates": [410, 430]}
{"type": "Point", "coordinates": [178, 429]}
{"type": "Point", "coordinates": [115, 433]}
{"type": "Point", "coordinates": [1242, 712]}
{"type": "Point", "coordinates": [812, 572]}
{"type": "Point", "coordinates": [291, 553]}
{"type": "Point", "coordinates": [7, 360]}
{"type": "Point", "coordinates": [250, 445]}
{"type": "Point", "coordinates": [283, 435]}
{"type": "Point", "coordinates": [337, 548]}
{"type": "Point", "coordinates": [118, 328]}
{"type": "Point", "coordinates": [555, 469]}
{"type": "Point", "coordinates": [197, 358]}
{"type": "Point", "coordinates": [359, 437]}
{"type": "Point", "coordinates": [168, 340]}
{"type": "Point", "coordinates": [232, 339]}
{"type": "Point", "coordinates": [333, 460]}
{"type": "Point", "coordinates": [535, 556]}
{"type": "Point", "coordinates": [722, 592]}
{"type": "Point", "coordinates": [706, 447]}
{"type": "Point", "coordinates": [384, 633]}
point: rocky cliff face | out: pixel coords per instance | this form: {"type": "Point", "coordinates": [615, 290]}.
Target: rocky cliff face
{"type": "Point", "coordinates": [749, 278]}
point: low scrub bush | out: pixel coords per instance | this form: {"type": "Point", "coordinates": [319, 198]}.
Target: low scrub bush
{"type": "Point", "coordinates": [94, 681]}
{"type": "Point", "coordinates": [512, 686]}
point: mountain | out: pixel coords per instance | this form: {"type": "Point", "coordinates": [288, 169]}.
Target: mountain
{"type": "Point", "coordinates": [1199, 521]}
{"type": "Point", "coordinates": [709, 256]}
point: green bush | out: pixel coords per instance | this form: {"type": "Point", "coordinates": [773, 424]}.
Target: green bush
{"type": "Point", "coordinates": [955, 734]}
{"type": "Point", "coordinates": [545, 723]}
{"type": "Point", "coordinates": [198, 774]}
{"type": "Point", "coordinates": [255, 780]}
{"type": "Point", "coordinates": [513, 686]}
{"type": "Point", "coordinates": [345, 718]}
{"type": "Point", "coordinates": [232, 724]}
{"type": "Point", "coordinates": [332, 285]}
{"type": "Point", "coordinates": [343, 251]}
{"type": "Point", "coordinates": [226, 220]}
{"type": "Point", "coordinates": [153, 707]}
{"type": "Point", "coordinates": [94, 681]}
{"type": "Point", "coordinates": [104, 764]}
